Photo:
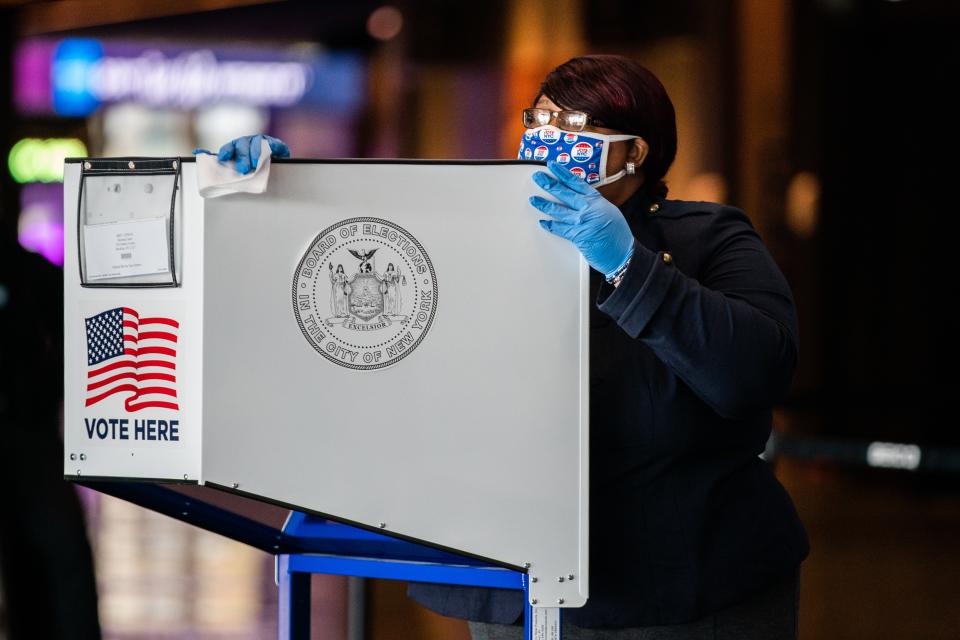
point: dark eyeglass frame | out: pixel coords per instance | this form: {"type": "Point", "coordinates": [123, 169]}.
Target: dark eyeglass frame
{"type": "Point", "coordinates": [533, 117]}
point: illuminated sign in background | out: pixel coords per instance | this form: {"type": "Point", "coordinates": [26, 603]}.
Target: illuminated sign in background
{"type": "Point", "coordinates": [40, 224]}
{"type": "Point", "coordinates": [41, 159]}
{"type": "Point", "coordinates": [73, 77]}
{"type": "Point", "coordinates": [38, 162]}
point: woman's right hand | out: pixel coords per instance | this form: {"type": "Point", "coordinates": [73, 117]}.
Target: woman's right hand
{"type": "Point", "coordinates": [245, 151]}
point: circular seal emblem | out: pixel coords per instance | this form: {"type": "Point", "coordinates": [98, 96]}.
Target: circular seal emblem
{"type": "Point", "coordinates": [365, 293]}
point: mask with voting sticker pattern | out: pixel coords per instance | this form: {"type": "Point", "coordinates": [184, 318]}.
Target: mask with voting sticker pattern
{"type": "Point", "coordinates": [583, 153]}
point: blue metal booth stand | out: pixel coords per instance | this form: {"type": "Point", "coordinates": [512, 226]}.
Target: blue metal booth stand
{"type": "Point", "coordinates": [308, 543]}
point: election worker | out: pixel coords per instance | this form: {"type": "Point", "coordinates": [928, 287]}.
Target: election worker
{"type": "Point", "coordinates": [693, 339]}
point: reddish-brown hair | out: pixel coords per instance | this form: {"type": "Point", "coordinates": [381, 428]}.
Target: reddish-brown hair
{"type": "Point", "coordinates": [623, 95]}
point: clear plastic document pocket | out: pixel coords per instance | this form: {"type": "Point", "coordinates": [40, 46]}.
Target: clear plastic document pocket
{"type": "Point", "coordinates": [128, 222]}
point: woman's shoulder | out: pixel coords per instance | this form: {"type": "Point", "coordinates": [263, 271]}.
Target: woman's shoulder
{"type": "Point", "coordinates": [700, 213]}
{"type": "Point", "coordinates": [675, 207]}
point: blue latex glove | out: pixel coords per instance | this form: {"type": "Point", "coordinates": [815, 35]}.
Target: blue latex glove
{"type": "Point", "coordinates": [585, 218]}
{"type": "Point", "coordinates": [245, 151]}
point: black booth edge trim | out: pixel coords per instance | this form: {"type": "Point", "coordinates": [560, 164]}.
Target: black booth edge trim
{"type": "Point", "coordinates": [81, 479]}
{"type": "Point", "coordinates": [161, 498]}
{"type": "Point", "coordinates": [173, 170]}
{"type": "Point", "coordinates": [343, 161]}
{"type": "Point", "coordinates": [358, 525]}
{"type": "Point", "coordinates": [286, 505]}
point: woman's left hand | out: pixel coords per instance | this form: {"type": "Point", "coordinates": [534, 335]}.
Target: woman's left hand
{"type": "Point", "coordinates": [584, 217]}
{"type": "Point", "coordinates": [245, 151]}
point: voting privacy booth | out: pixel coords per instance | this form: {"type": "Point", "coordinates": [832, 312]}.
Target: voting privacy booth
{"type": "Point", "coordinates": [371, 368]}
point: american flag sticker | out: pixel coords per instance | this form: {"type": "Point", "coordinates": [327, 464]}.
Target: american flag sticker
{"type": "Point", "coordinates": [134, 356]}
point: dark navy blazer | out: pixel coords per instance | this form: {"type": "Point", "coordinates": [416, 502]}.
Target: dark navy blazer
{"type": "Point", "coordinates": [687, 357]}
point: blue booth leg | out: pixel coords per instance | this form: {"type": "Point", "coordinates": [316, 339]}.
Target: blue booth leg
{"type": "Point", "coordinates": [293, 606]}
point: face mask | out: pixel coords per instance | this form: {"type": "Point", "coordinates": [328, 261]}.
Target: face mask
{"type": "Point", "coordinates": [583, 153]}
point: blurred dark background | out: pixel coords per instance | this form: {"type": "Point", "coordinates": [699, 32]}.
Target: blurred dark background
{"type": "Point", "coordinates": [832, 123]}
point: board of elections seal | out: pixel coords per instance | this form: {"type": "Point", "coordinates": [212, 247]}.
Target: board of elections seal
{"type": "Point", "coordinates": [365, 293]}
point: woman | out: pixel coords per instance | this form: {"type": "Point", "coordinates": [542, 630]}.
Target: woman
{"type": "Point", "coordinates": [693, 338]}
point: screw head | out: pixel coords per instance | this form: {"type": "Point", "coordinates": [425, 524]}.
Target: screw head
{"type": "Point", "coordinates": [131, 165]}
{"type": "Point", "coordinates": [174, 164]}
{"type": "Point", "coordinates": [559, 600]}
{"type": "Point", "coordinates": [236, 484]}
{"type": "Point", "coordinates": [559, 578]}
{"type": "Point", "coordinates": [83, 456]}
{"type": "Point", "coordinates": [533, 578]}
{"type": "Point", "coordinates": [73, 456]}
{"type": "Point", "coordinates": [526, 565]}
{"type": "Point", "coordinates": [184, 476]}
{"type": "Point", "coordinates": [383, 525]}
{"type": "Point", "coordinates": [570, 576]}
{"type": "Point", "coordinates": [533, 601]}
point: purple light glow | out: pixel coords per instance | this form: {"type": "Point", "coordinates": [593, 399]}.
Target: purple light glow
{"type": "Point", "coordinates": [31, 76]}
{"type": "Point", "coordinates": [40, 226]}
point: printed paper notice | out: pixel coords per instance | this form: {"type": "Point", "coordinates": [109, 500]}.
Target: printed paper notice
{"type": "Point", "coordinates": [131, 248]}
{"type": "Point", "coordinates": [546, 623]}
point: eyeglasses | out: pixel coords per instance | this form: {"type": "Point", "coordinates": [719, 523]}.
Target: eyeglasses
{"type": "Point", "coordinates": [568, 119]}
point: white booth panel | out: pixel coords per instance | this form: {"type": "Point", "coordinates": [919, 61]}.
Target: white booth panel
{"type": "Point", "coordinates": [132, 351]}
{"type": "Point", "coordinates": [396, 344]}
{"type": "Point", "coordinates": [476, 438]}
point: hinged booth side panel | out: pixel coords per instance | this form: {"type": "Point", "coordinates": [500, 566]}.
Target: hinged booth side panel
{"type": "Point", "coordinates": [133, 243]}
{"type": "Point", "coordinates": [403, 346]}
